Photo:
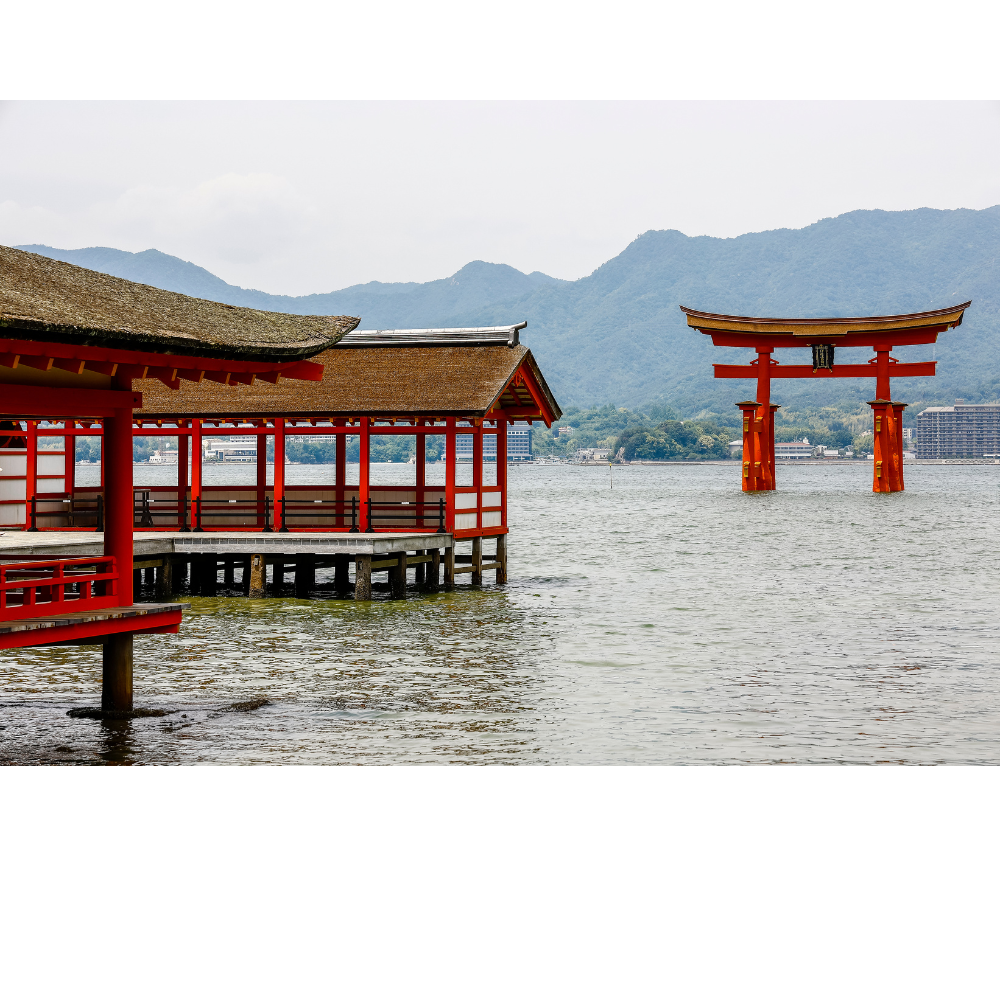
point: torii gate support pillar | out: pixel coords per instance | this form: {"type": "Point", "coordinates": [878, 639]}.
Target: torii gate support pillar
{"type": "Point", "coordinates": [758, 446]}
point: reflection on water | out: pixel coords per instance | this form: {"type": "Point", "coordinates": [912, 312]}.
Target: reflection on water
{"type": "Point", "coordinates": [670, 620]}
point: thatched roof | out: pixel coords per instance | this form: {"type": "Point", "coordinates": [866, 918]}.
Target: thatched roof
{"type": "Point", "coordinates": [463, 380]}
{"type": "Point", "coordinates": [48, 300]}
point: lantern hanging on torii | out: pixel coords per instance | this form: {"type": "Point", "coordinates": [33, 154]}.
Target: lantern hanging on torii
{"type": "Point", "coordinates": [881, 333]}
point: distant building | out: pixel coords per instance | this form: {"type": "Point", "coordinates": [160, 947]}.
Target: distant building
{"type": "Point", "coordinates": [961, 431]}
{"type": "Point", "coordinates": [592, 454]}
{"type": "Point", "coordinates": [792, 449]}
{"type": "Point", "coordinates": [236, 449]}
{"type": "Point", "coordinates": [518, 445]}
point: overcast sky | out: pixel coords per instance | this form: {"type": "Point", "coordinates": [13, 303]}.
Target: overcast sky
{"type": "Point", "coordinates": [310, 197]}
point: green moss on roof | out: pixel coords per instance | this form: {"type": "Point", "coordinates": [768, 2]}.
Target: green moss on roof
{"type": "Point", "coordinates": [43, 299]}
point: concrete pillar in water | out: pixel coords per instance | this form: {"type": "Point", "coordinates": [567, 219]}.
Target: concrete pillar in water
{"type": "Point", "coordinates": [257, 576]}
{"type": "Point", "coordinates": [116, 684]}
{"type": "Point", "coordinates": [341, 572]}
{"type": "Point", "coordinates": [397, 577]}
{"type": "Point", "coordinates": [209, 576]}
{"type": "Point", "coordinates": [305, 575]}
{"type": "Point", "coordinates": [165, 580]}
{"type": "Point", "coordinates": [477, 561]}
{"type": "Point", "coordinates": [363, 578]}
{"type": "Point", "coordinates": [502, 558]}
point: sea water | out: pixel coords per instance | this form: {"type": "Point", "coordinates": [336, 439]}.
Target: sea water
{"type": "Point", "coordinates": [670, 619]}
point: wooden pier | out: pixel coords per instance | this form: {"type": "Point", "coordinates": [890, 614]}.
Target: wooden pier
{"type": "Point", "coordinates": [203, 564]}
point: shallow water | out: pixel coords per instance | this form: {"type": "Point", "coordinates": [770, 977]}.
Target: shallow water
{"type": "Point", "coordinates": [669, 620]}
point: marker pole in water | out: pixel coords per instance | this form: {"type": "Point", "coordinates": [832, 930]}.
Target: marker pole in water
{"type": "Point", "coordinates": [612, 473]}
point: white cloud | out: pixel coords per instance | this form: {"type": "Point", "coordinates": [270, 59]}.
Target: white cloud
{"type": "Point", "coordinates": [301, 197]}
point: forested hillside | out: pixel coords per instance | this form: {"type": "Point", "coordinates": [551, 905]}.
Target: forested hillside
{"type": "Point", "coordinates": [617, 337]}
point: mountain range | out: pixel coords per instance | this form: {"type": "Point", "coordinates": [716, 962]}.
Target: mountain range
{"type": "Point", "coordinates": [617, 335]}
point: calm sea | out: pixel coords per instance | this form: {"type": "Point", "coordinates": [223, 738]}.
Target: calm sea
{"type": "Point", "coordinates": [670, 619]}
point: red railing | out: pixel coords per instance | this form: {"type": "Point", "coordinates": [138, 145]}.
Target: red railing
{"type": "Point", "coordinates": [30, 590]}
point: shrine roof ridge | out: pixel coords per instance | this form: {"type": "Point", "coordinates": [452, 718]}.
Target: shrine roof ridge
{"type": "Point", "coordinates": [62, 303]}
{"type": "Point", "coordinates": [475, 336]}
{"type": "Point", "coordinates": [951, 315]}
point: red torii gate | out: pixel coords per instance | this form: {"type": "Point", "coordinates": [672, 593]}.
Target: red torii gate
{"type": "Point", "coordinates": [881, 333]}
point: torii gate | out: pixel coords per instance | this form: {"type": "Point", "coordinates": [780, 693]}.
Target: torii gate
{"type": "Point", "coordinates": [881, 333]}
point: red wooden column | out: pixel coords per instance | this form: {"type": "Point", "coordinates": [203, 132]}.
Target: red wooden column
{"type": "Point", "coordinates": [450, 465]}
{"type": "Point", "coordinates": [183, 452]}
{"type": "Point", "coordinates": [763, 426]}
{"type": "Point", "coordinates": [261, 473]}
{"type": "Point", "coordinates": [477, 470]}
{"type": "Point", "coordinates": [897, 412]}
{"type": "Point", "coordinates": [119, 516]}
{"type": "Point", "coordinates": [421, 460]}
{"type": "Point", "coordinates": [364, 472]}
{"type": "Point", "coordinates": [748, 409]}
{"type": "Point", "coordinates": [341, 473]}
{"type": "Point", "coordinates": [196, 460]}
{"type": "Point", "coordinates": [30, 468]}
{"type": "Point", "coordinates": [279, 473]}
{"type": "Point", "coordinates": [502, 467]}
{"type": "Point", "coordinates": [69, 460]}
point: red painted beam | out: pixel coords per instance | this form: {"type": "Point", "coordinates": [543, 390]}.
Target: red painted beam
{"type": "Point", "coordinates": [898, 338]}
{"type": "Point", "coordinates": [162, 621]}
{"type": "Point", "coordinates": [900, 368]}
{"type": "Point", "coordinates": [51, 401]}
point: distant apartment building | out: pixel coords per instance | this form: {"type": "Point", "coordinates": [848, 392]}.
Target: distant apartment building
{"type": "Point", "coordinates": [965, 430]}
{"type": "Point", "coordinates": [238, 448]}
{"type": "Point", "coordinates": [792, 449]}
{"type": "Point", "coordinates": [518, 445]}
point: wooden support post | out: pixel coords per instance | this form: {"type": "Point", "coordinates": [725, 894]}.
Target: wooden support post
{"type": "Point", "coordinates": [418, 570]}
{"type": "Point", "coordinates": [116, 683]}
{"type": "Point", "coordinates": [477, 476]}
{"type": "Point", "coordinates": [305, 575]}
{"type": "Point", "coordinates": [502, 468]}
{"type": "Point", "coordinates": [279, 472]}
{"type": "Point", "coordinates": [277, 576]}
{"type": "Point", "coordinates": [209, 576]}
{"type": "Point", "coordinates": [165, 580]}
{"type": "Point", "coordinates": [763, 424]}
{"type": "Point", "coordinates": [340, 473]}
{"type": "Point", "coordinates": [245, 575]}
{"type": "Point", "coordinates": [148, 578]}
{"type": "Point", "coordinates": [420, 446]}
{"type": "Point", "coordinates": [888, 468]}
{"type": "Point", "coordinates": [229, 572]}
{"type": "Point", "coordinates": [197, 455]}
{"type": "Point", "coordinates": [897, 410]}
{"type": "Point", "coordinates": [450, 465]}
{"type": "Point", "coordinates": [31, 469]}
{"type": "Point", "coordinates": [116, 452]}
{"type": "Point", "coordinates": [477, 561]}
{"type": "Point", "coordinates": [69, 462]}
{"type": "Point", "coordinates": [183, 450]}
{"type": "Point", "coordinates": [258, 574]}
{"type": "Point", "coordinates": [363, 578]}
{"type": "Point", "coordinates": [501, 558]}
{"type": "Point", "coordinates": [261, 477]}
{"type": "Point", "coordinates": [136, 581]}
{"type": "Point", "coordinates": [364, 474]}
{"type": "Point", "coordinates": [433, 580]}
{"type": "Point", "coordinates": [449, 566]}
{"type": "Point", "coordinates": [397, 577]}
{"type": "Point", "coordinates": [341, 572]}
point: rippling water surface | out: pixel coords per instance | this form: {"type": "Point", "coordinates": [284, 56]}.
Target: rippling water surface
{"type": "Point", "coordinates": [669, 620]}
